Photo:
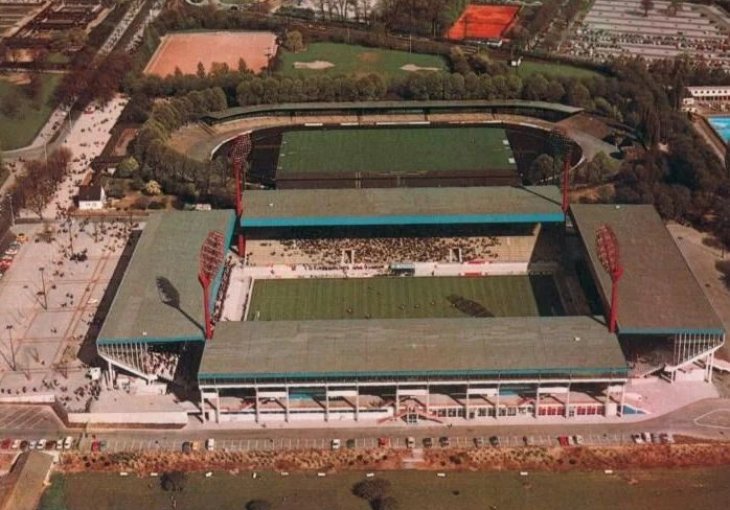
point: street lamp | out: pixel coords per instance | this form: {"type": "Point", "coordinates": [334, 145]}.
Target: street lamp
{"type": "Point", "coordinates": [43, 284]}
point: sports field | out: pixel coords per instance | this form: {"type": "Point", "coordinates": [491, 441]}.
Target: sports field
{"type": "Point", "coordinates": [665, 489]}
{"type": "Point", "coordinates": [404, 298]}
{"type": "Point", "coordinates": [186, 50]}
{"type": "Point", "coordinates": [529, 67]}
{"type": "Point", "coordinates": [20, 130]}
{"type": "Point", "coordinates": [483, 22]}
{"type": "Point", "coordinates": [350, 59]}
{"type": "Point", "coordinates": [395, 150]}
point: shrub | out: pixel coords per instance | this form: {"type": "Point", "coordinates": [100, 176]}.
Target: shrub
{"type": "Point", "coordinates": [371, 490]}
{"type": "Point", "coordinates": [173, 481]}
{"type": "Point", "coordinates": [258, 504]}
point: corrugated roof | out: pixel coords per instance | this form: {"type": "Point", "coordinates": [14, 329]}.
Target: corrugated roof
{"type": "Point", "coordinates": [363, 348]}
{"type": "Point", "coordinates": [658, 292]}
{"type": "Point", "coordinates": [164, 266]}
{"type": "Point", "coordinates": [404, 206]}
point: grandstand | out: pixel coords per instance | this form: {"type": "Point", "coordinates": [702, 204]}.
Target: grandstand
{"type": "Point", "coordinates": [408, 324]}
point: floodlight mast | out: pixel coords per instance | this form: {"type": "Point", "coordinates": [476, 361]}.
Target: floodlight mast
{"type": "Point", "coordinates": [565, 148]}
{"type": "Point", "coordinates": [607, 248]}
{"type": "Point", "coordinates": [240, 149]}
{"type": "Point", "coordinates": [212, 255]}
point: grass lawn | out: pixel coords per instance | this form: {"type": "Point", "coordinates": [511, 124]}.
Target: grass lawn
{"type": "Point", "coordinates": [414, 490]}
{"type": "Point", "coordinates": [395, 150]}
{"type": "Point", "coordinates": [358, 60]}
{"type": "Point", "coordinates": [402, 298]}
{"type": "Point", "coordinates": [20, 131]}
{"type": "Point", "coordinates": [529, 67]}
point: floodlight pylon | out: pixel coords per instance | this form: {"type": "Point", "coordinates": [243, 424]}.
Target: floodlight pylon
{"type": "Point", "coordinates": [609, 255]}
{"type": "Point", "coordinates": [212, 255]}
{"type": "Point", "coordinates": [564, 147]}
{"type": "Point", "coordinates": [239, 152]}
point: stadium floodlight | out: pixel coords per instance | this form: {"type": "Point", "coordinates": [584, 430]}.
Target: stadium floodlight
{"type": "Point", "coordinates": [212, 255]}
{"type": "Point", "coordinates": [608, 254]}
{"type": "Point", "coordinates": [563, 147]}
{"type": "Point", "coordinates": [239, 152]}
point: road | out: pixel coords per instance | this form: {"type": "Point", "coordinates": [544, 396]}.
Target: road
{"type": "Point", "coordinates": [706, 419]}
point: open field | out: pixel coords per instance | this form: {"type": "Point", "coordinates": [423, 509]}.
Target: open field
{"type": "Point", "coordinates": [401, 298]}
{"type": "Point", "coordinates": [395, 150]}
{"type": "Point", "coordinates": [337, 58]}
{"type": "Point", "coordinates": [662, 488]}
{"type": "Point", "coordinates": [186, 50]}
{"type": "Point", "coordinates": [482, 22]}
{"type": "Point", "coordinates": [20, 130]}
{"type": "Point", "coordinates": [549, 68]}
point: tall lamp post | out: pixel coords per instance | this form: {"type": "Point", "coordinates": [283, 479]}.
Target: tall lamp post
{"type": "Point", "coordinates": [239, 152]}
{"type": "Point", "coordinates": [9, 328]}
{"type": "Point", "coordinates": [563, 147]}
{"type": "Point", "coordinates": [212, 256]}
{"type": "Point", "coordinates": [43, 286]}
{"type": "Point", "coordinates": [608, 254]}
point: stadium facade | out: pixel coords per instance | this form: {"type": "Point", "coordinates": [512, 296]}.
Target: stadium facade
{"type": "Point", "coordinates": [409, 369]}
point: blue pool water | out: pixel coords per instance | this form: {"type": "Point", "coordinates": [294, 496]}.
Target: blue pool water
{"type": "Point", "coordinates": [721, 124]}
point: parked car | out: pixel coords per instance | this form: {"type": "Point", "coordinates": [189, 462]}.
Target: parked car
{"type": "Point", "coordinates": [210, 444]}
{"type": "Point", "coordinates": [578, 440]}
{"type": "Point", "coordinates": [410, 442]}
{"type": "Point", "coordinates": [336, 444]}
{"type": "Point", "coordinates": [384, 442]}
{"type": "Point", "coordinates": [444, 441]}
{"type": "Point", "coordinates": [5, 445]}
{"type": "Point", "coordinates": [41, 444]}
{"type": "Point", "coordinates": [68, 443]}
{"type": "Point", "coordinates": [187, 447]}
{"type": "Point", "coordinates": [637, 438]}
{"type": "Point", "coordinates": [494, 441]}
{"type": "Point", "coordinates": [646, 437]}
{"type": "Point", "coordinates": [24, 445]}
{"type": "Point", "coordinates": [102, 445]}
{"type": "Point", "coordinates": [95, 446]}
{"type": "Point", "coordinates": [16, 444]}
{"type": "Point", "coordinates": [350, 443]}
{"type": "Point", "coordinates": [59, 444]}
{"type": "Point", "coordinates": [428, 442]}
{"type": "Point", "coordinates": [479, 442]}
{"type": "Point", "coordinates": [563, 440]}
{"type": "Point", "coordinates": [51, 445]}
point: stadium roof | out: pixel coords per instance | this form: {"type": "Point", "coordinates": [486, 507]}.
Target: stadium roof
{"type": "Point", "coordinates": [411, 347]}
{"type": "Point", "coordinates": [164, 266]}
{"type": "Point", "coordinates": [401, 206]}
{"type": "Point", "coordinates": [658, 294]}
{"type": "Point", "coordinates": [304, 108]}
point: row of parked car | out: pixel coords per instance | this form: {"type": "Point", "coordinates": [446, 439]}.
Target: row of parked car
{"type": "Point", "coordinates": [647, 438]}
{"type": "Point", "coordinates": [40, 444]}
{"type": "Point", "coordinates": [6, 260]}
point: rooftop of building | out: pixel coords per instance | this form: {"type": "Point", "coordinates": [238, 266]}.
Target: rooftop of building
{"type": "Point", "coordinates": [159, 297]}
{"type": "Point", "coordinates": [657, 294]}
{"type": "Point", "coordinates": [533, 346]}
{"type": "Point", "coordinates": [401, 206]}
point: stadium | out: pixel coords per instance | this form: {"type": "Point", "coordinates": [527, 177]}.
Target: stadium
{"type": "Point", "coordinates": [398, 303]}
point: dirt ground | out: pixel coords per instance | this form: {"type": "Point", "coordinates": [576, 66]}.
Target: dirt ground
{"type": "Point", "coordinates": [186, 50]}
{"type": "Point", "coordinates": [553, 459]}
{"type": "Point", "coordinates": [120, 149]}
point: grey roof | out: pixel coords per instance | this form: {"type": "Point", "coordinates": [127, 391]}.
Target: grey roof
{"type": "Point", "coordinates": [164, 265]}
{"type": "Point", "coordinates": [304, 108]}
{"type": "Point", "coordinates": [432, 347]}
{"type": "Point", "coordinates": [402, 206]}
{"type": "Point", "coordinates": [658, 294]}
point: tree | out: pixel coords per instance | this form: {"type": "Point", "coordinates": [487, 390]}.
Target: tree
{"type": "Point", "coordinates": [153, 188]}
{"type": "Point", "coordinates": [293, 41]}
{"type": "Point", "coordinates": [258, 504]}
{"type": "Point", "coordinates": [373, 489]}
{"type": "Point", "coordinates": [647, 5]}
{"type": "Point", "coordinates": [541, 169]}
{"type": "Point", "coordinates": [201, 70]}
{"type": "Point", "coordinates": [173, 481]}
{"type": "Point", "coordinates": [127, 167]}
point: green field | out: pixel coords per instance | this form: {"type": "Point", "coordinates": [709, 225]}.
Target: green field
{"type": "Point", "coordinates": [547, 68]}
{"type": "Point", "coordinates": [357, 60]}
{"type": "Point", "coordinates": [664, 489]}
{"type": "Point", "coordinates": [20, 130]}
{"type": "Point", "coordinates": [395, 150]}
{"type": "Point", "coordinates": [404, 298]}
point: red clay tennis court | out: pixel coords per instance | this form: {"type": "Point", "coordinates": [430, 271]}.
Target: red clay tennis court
{"type": "Point", "coordinates": [483, 22]}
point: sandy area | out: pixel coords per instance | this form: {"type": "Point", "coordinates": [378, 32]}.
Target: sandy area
{"type": "Point", "coordinates": [411, 68]}
{"type": "Point", "coordinates": [186, 50]}
{"type": "Point", "coordinates": [317, 64]}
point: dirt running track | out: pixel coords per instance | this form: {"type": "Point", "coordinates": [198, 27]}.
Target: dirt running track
{"type": "Point", "coordinates": [186, 50]}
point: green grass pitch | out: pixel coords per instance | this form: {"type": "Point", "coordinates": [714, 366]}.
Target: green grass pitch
{"type": "Point", "coordinates": [404, 298]}
{"type": "Point", "coordinates": [395, 150]}
{"type": "Point", "coordinates": [351, 59]}
{"type": "Point", "coordinates": [20, 130]}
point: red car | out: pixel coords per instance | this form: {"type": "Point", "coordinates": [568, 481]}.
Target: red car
{"type": "Point", "coordinates": [96, 446]}
{"type": "Point", "coordinates": [5, 445]}
{"type": "Point", "coordinates": [563, 440]}
{"type": "Point", "coordinates": [384, 442]}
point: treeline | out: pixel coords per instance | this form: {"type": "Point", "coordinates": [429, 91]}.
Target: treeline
{"type": "Point", "coordinates": [175, 172]}
{"type": "Point", "coordinates": [34, 188]}
{"type": "Point", "coordinates": [424, 17]}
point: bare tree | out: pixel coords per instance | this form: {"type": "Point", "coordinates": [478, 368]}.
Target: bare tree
{"type": "Point", "coordinates": [647, 5]}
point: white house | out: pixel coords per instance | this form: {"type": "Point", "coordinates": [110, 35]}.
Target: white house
{"type": "Point", "coordinates": [91, 197]}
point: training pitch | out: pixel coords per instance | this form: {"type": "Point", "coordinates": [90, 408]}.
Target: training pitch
{"type": "Point", "coordinates": [483, 22]}
{"type": "Point", "coordinates": [395, 150]}
{"type": "Point", "coordinates": [404, 298]}
{"type": "Point", "coordinates": [186, 50]}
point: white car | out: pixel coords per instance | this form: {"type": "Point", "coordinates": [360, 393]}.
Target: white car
{"type": "Point", "coordinates": [16, 444]}
{"type": "Point", "coordinates": [410, 442]}
{"type": "Point", "coordinates": [41, 444]}
{"type": "Point", "coordinates": [67, 443]}
{"type": "Point", "coordinates": [210, 444]}
{"type": "Point", "coordinates": [579, 440]}
{"type": "Point", "coordinates": [336, 444]}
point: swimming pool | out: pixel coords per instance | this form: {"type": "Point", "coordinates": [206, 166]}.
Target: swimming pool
{"type": "Point", "coordinates": [721, 124]}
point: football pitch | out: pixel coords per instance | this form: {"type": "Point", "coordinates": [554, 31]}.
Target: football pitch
{"type": "Point", "coordinates": [395, 150]}
{"type": "Point", "coordinates": [404, 298]}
